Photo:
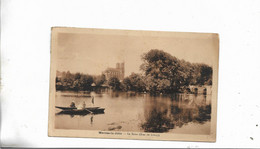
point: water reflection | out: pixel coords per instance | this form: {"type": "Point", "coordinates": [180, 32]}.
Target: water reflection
{"type": "Point", "coordinates": [157, 121]}
{"type": "Point", "coordinates": [91, 120]}
{"type": "Point", "coordinates": [137, 112]}
{"type": "Point", "coordinates": [181, 111]}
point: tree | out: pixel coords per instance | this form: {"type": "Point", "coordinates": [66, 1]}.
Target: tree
{"type": "Point", "coordinates": [77, 76]}
{"type": "Point", "coordinates": [162, 70]}
{"type": "Point", "coordinates": [205, 75]}
{"type": "Point", "coordinates": [76, 85]}
{"type": "Point", "coordinates": [127, 85]}
{"type": "Point", "coordinates": [165, 73]}
{"type": "Point", "coordinates": [99, 80]}
{"type": "Point", "coordinates": [86, 81]}
{"type": "Point", "coordinates": [135, 82]}
{"type": "Point", "coordinates": [114, 83]}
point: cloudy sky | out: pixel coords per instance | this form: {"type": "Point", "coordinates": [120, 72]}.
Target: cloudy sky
{"type": "Point", "coordinates": [93, 53]}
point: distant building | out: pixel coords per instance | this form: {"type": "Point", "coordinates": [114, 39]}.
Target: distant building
{"type": "Point", "coordinates": [118, 72]}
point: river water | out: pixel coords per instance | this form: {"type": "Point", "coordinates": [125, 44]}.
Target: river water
{"type": "Point", "coordinates": [177, 113]}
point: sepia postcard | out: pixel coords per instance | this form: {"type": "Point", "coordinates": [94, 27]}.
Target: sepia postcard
{"type": "Point", "coordinates": [149, 85]}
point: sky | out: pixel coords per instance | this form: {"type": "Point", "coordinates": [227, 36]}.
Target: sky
{"type": "Point", "coordinates": [92, 53]}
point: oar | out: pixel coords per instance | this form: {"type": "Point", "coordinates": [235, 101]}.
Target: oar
{"type": "Point", "coordinates": [89, 111]}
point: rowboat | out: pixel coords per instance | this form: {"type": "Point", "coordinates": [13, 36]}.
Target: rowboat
{"type": "Point", "coordinates": [75, 111]}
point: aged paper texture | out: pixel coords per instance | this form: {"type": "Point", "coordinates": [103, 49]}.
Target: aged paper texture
{"type": "Point", "coordinates": [133, 84]}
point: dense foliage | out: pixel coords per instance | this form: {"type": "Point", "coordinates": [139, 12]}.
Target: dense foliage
{"type": "Point", "coordinates": [162, 73]}
{"type": "Point", "coordinates": [134, 82]}
{"type": "Point", "coordinates": [165, 73]}
{"type": "Point", "coordinates": [114, 83]}
{"type": "Point", "coordinates": [77, 81]}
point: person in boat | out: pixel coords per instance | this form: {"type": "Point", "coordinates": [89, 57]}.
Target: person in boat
{"type": "Point", "coordinates": [72, 105]}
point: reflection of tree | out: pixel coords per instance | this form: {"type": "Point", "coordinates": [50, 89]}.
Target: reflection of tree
{"type": "Point", "coordinates": [204, 114]}
{"type": "Point", "coordinates": [157, 122]}
{"type": "Point", "coordinates": [179, 114]}
{"type": "Point", "coordinates": [114, 94]}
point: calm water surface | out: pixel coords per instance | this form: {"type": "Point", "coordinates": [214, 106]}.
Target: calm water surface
{"type": "Point", "coordinates": [177, 113]}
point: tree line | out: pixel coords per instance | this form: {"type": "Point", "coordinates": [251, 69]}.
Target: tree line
{"type": "Point", "coordinates": [77, 81]}
{"type": "Point", "coordinates": [161, 73]}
